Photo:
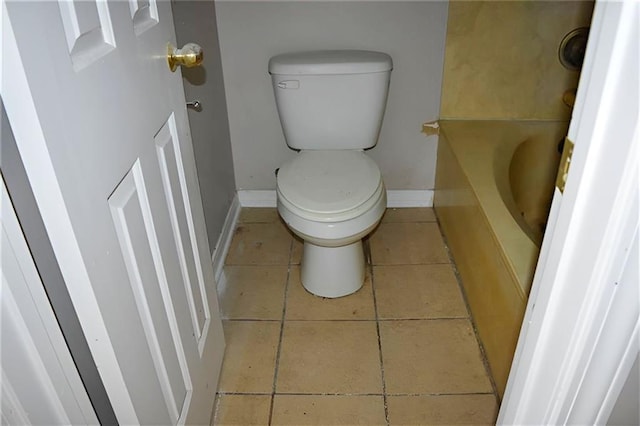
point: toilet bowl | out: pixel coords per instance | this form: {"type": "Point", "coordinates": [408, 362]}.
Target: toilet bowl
{"type": "Point", "coordinates": [331, 199]}
{"type": "Point", "coordinates": [331, 194]}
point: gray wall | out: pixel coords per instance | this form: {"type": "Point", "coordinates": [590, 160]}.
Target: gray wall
{"type": "Point", "coordinates": [413, 33]}
{"type": "Point", "coordinates": [195, 21]}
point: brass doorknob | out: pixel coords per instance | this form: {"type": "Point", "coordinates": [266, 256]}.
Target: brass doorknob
{"type": "Point", "coordinates": [189, 56]}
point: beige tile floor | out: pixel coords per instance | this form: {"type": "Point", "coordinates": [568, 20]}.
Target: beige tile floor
{"type": "Point", "coordinates": [400, 351]}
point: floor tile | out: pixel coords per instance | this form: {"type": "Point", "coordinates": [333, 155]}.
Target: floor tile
{"type": "Point", "coordinates": [254, 292]}
{"type": "Point", "coordinates": [407, 243]}
{"type": "Point", "coordinates": [432, 356]}
{"type": "Point", "coordinates": [250, 356]}
{"type": "Point", "coordinates": [258, 215]}
{"type": "Point", "coordinates": [329, 370]}
{"type": "Point", "coordinates": [329, 357]}
{"type": "Point", "coordinates": [421, 214]}
{"type": "Point", "coordinates": [260, 244]}
{"type": "Point", "coordinates": [237, 410]}
{"type": "Point", "coordinates": [442, 410]}
{"type": "Point", "coordinates": [302, 305]}
{"type": "Point", "coordinates": [328, 410]}
{"type": "Point", "coordinates": [418, 291]}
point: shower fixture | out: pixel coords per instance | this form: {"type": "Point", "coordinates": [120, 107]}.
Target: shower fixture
{"type": "Point", "coordinates": [573, 47]}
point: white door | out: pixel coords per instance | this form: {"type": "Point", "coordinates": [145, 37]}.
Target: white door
{"type": "Point", "coordinates": [581, 331]}
{"type": "Point", "coordinates": [39, 382]}
{"type": "Point", "coordinates": [100, 123]}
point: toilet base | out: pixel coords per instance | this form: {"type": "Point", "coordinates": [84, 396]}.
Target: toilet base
{"type": "Point", "coordinates": [332, 271]}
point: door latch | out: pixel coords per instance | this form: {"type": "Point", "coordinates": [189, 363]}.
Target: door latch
{"type": "Point", "coordinates": [565, 163]}
{"type": "Point", "coordinates": [195, 105]}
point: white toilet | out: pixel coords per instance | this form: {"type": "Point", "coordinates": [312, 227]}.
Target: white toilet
{"type": "Point", "coordinates": [331, 194]}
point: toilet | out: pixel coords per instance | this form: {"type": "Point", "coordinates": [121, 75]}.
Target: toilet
{"type": "Point", "coordinates": [331, 194]}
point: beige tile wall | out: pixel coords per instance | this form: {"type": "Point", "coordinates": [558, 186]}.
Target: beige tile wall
{"type": "Point", "coordinates": [501, 59]}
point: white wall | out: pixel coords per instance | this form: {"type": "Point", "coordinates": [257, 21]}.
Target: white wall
{"type": "Point", "coordinates": [412, 32]}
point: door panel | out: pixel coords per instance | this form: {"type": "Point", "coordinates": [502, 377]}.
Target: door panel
{"type": "Point", "coordinates": [144, 14]}
{"type": "Point", "coordinates": [141, 252]}
{"type": "Point", "coordinates": [177, 197]}
{"type": "Point", "coordinates": [88, 30]}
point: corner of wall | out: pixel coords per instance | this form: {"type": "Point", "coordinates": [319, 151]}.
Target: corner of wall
{"type": "Point", "coordinates": [224, 241]}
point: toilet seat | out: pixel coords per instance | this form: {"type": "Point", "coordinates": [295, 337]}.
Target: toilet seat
{"type": "Point", "coordinates": [328, 186]}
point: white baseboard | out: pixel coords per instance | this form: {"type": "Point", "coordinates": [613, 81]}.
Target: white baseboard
{"type": "Point", "coordinates": [224, 241]}
{"type": "Point", "coordinates": [260, 198]}
{"type": "Point", "coordinates": [398, 198]}
{"type": "Point", "coordinates": [395, 198]}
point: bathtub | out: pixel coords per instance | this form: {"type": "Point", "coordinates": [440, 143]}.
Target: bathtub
{"type": "Point", "coordinates": [494, 184]}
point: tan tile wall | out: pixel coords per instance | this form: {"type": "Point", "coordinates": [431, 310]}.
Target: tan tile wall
{"type": "Point", "coordinates": [501, 59]}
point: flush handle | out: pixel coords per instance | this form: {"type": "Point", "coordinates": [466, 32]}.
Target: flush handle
{"type": "Point", "coordinates": [289, 84]}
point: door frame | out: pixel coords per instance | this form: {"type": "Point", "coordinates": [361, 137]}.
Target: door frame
{"type": "Point", "coordinates": [580, 332]}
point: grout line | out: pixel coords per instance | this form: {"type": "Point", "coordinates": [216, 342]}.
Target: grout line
{"type": "Point", "coordinates": [413, 264]}
{"type": "Point", "coordinates": [424, 319]}
{"type": "Point", "coordinates": [353, 394]}
{"type": "Point", "coordinates": [326, 394]}
{"type": "Point", "coordinates": [329, 320]}
{"type": "Point", "coordinates": [441, 394]}
{"type": "Point", "coordinates": [350, 319]}
{"type": "Point", "coordinates": [245, 393]}
{"type": "Point", "coordinates": [284, 312]}
{"type": "Point", "coordinates": [405, 221]}
{"type": "Point", "coordinates": [367, 248]}
{"type": "Point", "coordinates": [485, 360]}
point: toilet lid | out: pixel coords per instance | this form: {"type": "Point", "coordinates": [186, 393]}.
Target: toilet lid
{"type": "Point", "coordinates": [328, 181]}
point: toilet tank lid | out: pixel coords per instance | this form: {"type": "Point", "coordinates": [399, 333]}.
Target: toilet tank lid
{"type": "Point", "coordinates": [321, 62]}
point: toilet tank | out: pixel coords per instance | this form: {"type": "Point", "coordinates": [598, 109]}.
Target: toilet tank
{"type": "Point", "coordinates": [331, 99]}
